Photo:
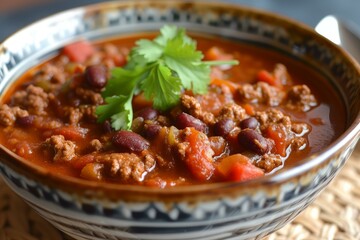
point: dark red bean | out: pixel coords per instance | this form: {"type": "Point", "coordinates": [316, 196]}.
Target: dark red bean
{"type": "Point", "coordinates": [250, 122]}
{"type": "Point", "coordinates": [147, 113]}
{"type": "Point", "coordinates": [151, 130]}
{"type": "Point", "coordinates": [130, 141]}
{"type": "Point", "coordinates": [253, 141]}
{"type": "Point", "coordinates": [106, 126]}
{"type": "Point", "coordinates": [186, 120]}
{"type": "Point", "coordinates": [26, 121]}
{"type": "Point", "coordinates": [96, 76]}
{"type": "Point", "coordinates": [223, 127]}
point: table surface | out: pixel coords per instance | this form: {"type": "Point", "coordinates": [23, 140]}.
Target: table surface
{"type": "Point", "coordinates": [15, 14]}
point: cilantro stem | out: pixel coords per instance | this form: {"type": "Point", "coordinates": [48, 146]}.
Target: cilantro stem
{"type": "Point", "coordinates": [216, 63]}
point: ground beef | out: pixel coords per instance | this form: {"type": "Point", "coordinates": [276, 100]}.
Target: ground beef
{"type": "Point", "coordinates": [126, 165]}
{"type": "Point", "coordinates": [88, 111]}
{"type": "Point", "coordinates": [64, 150]}
{"type": "Point", "coordinates": [272, 116]}
{"type": "Point", "coordinates": [109, 55]}
{"type": "Point", "coordinates": [50, 73]}
{"type": "Point", "coordinates": [232, 111]}
{"type": "Point", "coordinates": [163, 120]}
{"type": "Point", "coordinates": [281, 74]}
{"type": "Point", "coordinates": [96, 144]}
{"type": "Point", "coordinates": [299, 98]}
{"type": "Point", "coordinates": [293, 131]}
{"type": "Point", "coordinates": [181, 148]}
{"type": "Point", "coordinates": [192, 106]}
{"type": "Point", "coordinates": [181, 145]}
{"type": "Point", "coordinates": [150, 159]}
{"type": "Point", "coordinates": [268, 162]}
{"type": "Point", "coordinates": [33, 98]}
{"type": "Point", "coordinates": [77, 114]}
{"type": "Point", "coordinates": [215, 98]}
{"type": "Point", "coordinates": [8, 114]}
{"type": "Point", "coordinates": [46, 124]}
{"type": "Point", "coordinates": [260, 92]}
{"type": "Point", "coordinates": [298, 143]}
{"type": "Point", "coordinates": [300, 128]}
{"type": "Point", "coordinates": [89, 96]}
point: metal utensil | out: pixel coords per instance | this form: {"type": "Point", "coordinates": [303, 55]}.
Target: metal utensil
{"type": "Point", "coordinates": [341, 32]}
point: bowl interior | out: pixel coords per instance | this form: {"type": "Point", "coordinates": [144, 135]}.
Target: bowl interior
{"type": "Point", "coordinates": [42, 39]}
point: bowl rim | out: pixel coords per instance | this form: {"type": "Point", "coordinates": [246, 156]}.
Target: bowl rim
{"type": "Point", "coordinates": [68, 183]}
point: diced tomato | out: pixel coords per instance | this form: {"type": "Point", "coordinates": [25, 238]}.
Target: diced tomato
{"type": "Point", "coordinates": [80, 162]}
{"type": "Point", "coordinates": [226, 163]}
{"type": "Point", "coordinates": [70, 132]}
{"type": "Point", "coordinates": [265, 76]}
{"type": "Point", "coordinates": [231, 85]}
{"type": "Point", "coordinates": [249, 109]}
{"type": "Point", "coordinates": [140, 102]}
{"type": "Point", "coordinates": [278, 134]}
{"type": "Point", "coordinates": [156, 182]}
{"type": "Point", "coordinates": [197, 159]}
{"type": "Point", "coordinates": [92, 171]}
{"type": "Point", "coordinates": [216, 53]}
{"type": "Point", "coordinates": [78, 51]}
{"type": "Point", "coordinates": [238, 168]}
{"type": "Point", "coordinates": [240, 172]}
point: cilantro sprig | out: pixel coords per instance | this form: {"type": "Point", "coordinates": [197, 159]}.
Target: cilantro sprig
{"type": "Point", "coordinates": [161, 69]}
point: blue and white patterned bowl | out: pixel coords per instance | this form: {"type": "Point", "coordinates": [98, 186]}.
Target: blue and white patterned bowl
{"type": "Point", "coordinates": [89, 210]}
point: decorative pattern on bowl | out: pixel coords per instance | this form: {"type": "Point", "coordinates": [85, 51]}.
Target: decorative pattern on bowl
{"type": "Point", "coordinates": [227, 211]}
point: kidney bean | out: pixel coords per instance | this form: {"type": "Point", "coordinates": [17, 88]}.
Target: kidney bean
{"type": "Point", "coordinates": [106, 126]}
{"type": "Point", "coordinates": [96, 76]}
{"type": "Point", "coordinates": [26, 121]}
{"type": "Point", "coordinates": [186, 120]}
{"type": "Point", "coordinates": [130, 141]}
{"type": "Point", "coordinates": [147, 113]}
{"type": "Point", "coordinates": [250, 122]}
{"type": "Point", "coordinates": [224, 127]}
{"type": "Point", "coordinates": [253, 141]}
{"type": "Point", "coordinates": [151, 130]}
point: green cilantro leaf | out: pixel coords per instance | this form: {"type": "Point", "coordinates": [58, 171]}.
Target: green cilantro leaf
{"type": "Point", "coordinates": [119, 109]}
{"type": "Point", "coordinates": [121, 82]}
{"type": "Point", "coordinates": [161, 68]}
{"type": "Point", "coordinates": [147, 50]}
{"type": "Point", "coordinates": [161, 87]}
{"type": "Point", "coordinates": [183, 58]}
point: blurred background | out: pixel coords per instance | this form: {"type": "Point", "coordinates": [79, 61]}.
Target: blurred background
{"type": "Point", "coordinates": [15, 14]}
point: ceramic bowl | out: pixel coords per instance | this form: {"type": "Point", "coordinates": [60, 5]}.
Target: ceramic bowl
{"type": "Point", "coordinates": [90, 210]}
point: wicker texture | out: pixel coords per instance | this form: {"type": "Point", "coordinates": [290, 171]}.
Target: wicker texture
{"type": "Point", "coordinates": [334, 215]}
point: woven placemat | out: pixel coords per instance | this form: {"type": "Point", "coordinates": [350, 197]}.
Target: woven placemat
{"type": "Point", "coordinates": [334, 215]}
